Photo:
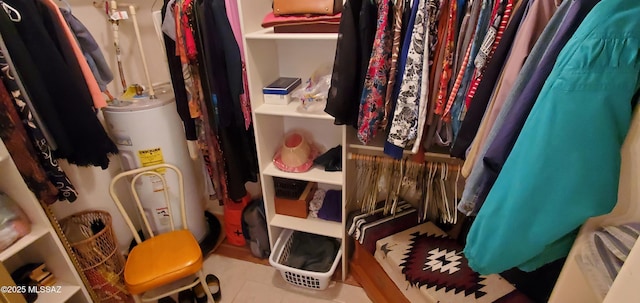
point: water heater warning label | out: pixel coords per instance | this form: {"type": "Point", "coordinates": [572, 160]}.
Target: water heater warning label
{"type": "Point", "coordinates": [149, 157]}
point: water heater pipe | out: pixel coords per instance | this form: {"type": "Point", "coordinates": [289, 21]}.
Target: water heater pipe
{"type": "Point", "coordinates": [132, 11]}
{"type": "Point", "coordinates": [116, 42]}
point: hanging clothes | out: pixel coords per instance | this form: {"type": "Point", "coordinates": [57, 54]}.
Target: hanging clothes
{"type": "Point", "coordinates": [188, 100]}
{"type": "Point", "coordinates": [232, 66]}
{"type": "Point", "coordinates": [398, 11]}
{"type": "Point", "coordinates": [375, 83]}
{"type": "Point", "coordinates": [539, 13]}
{"type": "Point", "coordinates": [423, 98]}
{"type": "Point", "coordinates": [355, 42]}
{"type": "Point", "coordinates": [472, 14]}
{"type": "Point", "coordinates": [578, 124]}
{"type": "Point", "coordinates": [38, 141]}
{"type": "Point", "coordinates": [465, 23]}
{"type": "Point", "coordinates": [223, 69]}
{"type": "Point", "coordinates": [233, 15]}
{"type": "Point", "coordinates": [71, 51]}
{"type": "Point", "coordinates": [409, 21]}
{"type": "Point", "coordinates": [434, 131]}
{"type": "Point", "coordinates": [185, 21]}
{"type": "Point", "coordinates": [91, 51]}
{"type": "Point", "coordinates": [63, 101]}
{"type": "Point", "coordinates": [447, 62]}
{"type": "Point", "coordinates": [200, 106]}
{"type": "Point", "coordinates": [457, 107]}
{"type": "Point", "coordinates": [41, 101]}
{"type": "Point", "coordinates": [11, 73]}
{"type": "Point", "coordinates": [484, 88]}
{"type": "Point", "coordinates": [434, 10]}
{"type": "Point", "coordinates": [177, 79]}
{"type": "Point", "coordinates": [15, 139]}
{"type": "Point", "coordinates": [440, 133]}
{"type": "Point", "coordinates": [404, 125]}
{"type": "Point", "coordinates": [526, 88]}
{"type": "Point", "coordinates": [501, 17]}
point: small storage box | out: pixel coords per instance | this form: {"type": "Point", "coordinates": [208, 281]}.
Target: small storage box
{"type": "Point", "coordinates": [277, 99]}
{"type": "Point", "coordinates": [296, 207]}
{"type": "Point", "coordinates": [299, 277]}
{"type": "Point", "coordinates": [279, 91]}
{"type": "Point", "coordinates": [289, 188]}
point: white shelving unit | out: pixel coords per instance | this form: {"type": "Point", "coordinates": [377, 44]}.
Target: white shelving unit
{"type": "Point", "coordinates": [573, 285]}
{"type": "Point", "coordinates": [271, 55]}
{"type": "Point", "coordinates": [42, 243]}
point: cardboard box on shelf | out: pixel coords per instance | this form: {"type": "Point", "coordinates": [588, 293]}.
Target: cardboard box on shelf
{"type": "Point", "coordinates": [296, 207]}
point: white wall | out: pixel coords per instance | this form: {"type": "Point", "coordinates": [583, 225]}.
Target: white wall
{"type": "Point", "coordinates": [95, 20]}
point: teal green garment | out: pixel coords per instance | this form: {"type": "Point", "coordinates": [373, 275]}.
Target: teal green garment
{"type": "Point", "coordinates": [565, 165]}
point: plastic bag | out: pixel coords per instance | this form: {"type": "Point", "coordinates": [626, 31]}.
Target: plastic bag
{"type": "Point", "coordinates": [313, 96]}
{"type": "Point", "coordinates": [14, 224]}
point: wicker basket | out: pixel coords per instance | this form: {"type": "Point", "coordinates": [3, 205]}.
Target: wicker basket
{"type": "Point", "coordinates": [98, 255]}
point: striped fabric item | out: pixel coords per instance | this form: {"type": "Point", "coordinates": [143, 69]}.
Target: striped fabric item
{"type": "Point", "coordinates": [605, 253]}
{"type": "Point", "coordinates": [395, 51]}
{"type": "Point", "coordinates": [480, 64]}
{"type": "Point", "coordinates": [446, 114]}
{"type": "Point", "coordinates": [447, 62]}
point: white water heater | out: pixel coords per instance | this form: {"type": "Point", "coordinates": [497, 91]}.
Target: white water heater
{"type": "Point", "coordinates": [148, 132]}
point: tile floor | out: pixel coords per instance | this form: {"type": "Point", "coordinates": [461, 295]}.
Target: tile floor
{"type": "Point", "coordinates": [246, 282]}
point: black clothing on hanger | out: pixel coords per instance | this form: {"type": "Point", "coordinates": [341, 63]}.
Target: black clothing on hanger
{"type": "Point", "coordinates": [236, 142]}
{"type": "Point", "coordinates": [353, 51]}
{"type": "Point", "coordinates": [37, 139]}
{"type": "Point", "coordinates": [62, 100]}
{"type": "Point", "coordinates": [178, 84]}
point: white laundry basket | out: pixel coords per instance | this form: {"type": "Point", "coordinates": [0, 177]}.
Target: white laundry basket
{"type": "Point", "coordinates": [295, 276]}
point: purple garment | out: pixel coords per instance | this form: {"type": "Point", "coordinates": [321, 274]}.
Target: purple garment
{"type": "Point", "coordinates": [331, 206]}
{"type": "Point", "coordinates": [504, 140]}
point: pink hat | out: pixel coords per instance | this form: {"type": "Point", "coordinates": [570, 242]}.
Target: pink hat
{"type": "Point", "coordinates": [295, 155]}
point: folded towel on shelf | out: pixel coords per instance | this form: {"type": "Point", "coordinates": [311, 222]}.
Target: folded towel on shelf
{"type": "Point", "coordinates": [316, 202]}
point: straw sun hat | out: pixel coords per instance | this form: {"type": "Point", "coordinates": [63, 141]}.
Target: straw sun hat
{"type": "Point", "coordinates": [296, 154]}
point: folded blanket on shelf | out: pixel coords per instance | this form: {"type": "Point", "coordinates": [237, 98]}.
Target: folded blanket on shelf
{"type": "Point", "coordinates": [271, 20]}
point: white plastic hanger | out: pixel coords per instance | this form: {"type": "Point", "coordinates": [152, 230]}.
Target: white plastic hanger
{"type": "Point", "coordinates": [444, 174]}
{"type": "Point", "coordinates": [14, 14]}
{"type": "Point", "coordinates": [455, 196]}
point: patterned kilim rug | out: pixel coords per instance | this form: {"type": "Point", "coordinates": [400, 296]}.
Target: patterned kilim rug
{"type": "Point", "coordinates": [428, 266]}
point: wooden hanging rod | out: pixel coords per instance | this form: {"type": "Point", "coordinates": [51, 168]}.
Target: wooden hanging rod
{"type": "Point", "coordinates": [430, 157]}
{"type": "Point", "coordinates": [451, 162]}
